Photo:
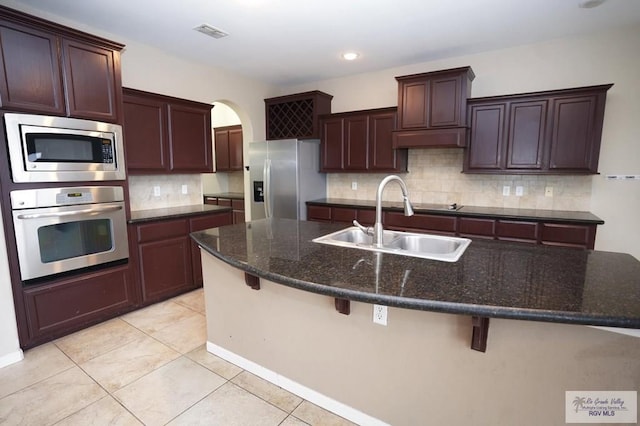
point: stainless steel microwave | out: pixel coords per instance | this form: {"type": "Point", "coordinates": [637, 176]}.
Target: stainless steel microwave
{"type": "Point", "coordinates": [59, 149]}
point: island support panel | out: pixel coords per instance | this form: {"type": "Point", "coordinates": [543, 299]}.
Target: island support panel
{"type": "Point", "coordinates": [416, 370]}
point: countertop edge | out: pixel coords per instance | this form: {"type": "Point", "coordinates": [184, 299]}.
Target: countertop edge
{"type": "Point", "coordinates": [152, 215]}
{"type": "Point", "coordinates": [429, 305]}
{"type": "Point", "coordinates": [464, 211]}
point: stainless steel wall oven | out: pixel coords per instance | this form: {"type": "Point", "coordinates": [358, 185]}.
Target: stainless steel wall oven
{"type": "Point", "coordinates": [63, 229]}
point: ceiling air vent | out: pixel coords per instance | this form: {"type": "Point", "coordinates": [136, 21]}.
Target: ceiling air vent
{"type": "Point", "coordinates": [211, 31]}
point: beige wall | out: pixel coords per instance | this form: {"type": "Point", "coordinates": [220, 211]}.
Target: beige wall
{"type": "Point", "coordinates": [602, 58]}
{"type": "Point", "coordinates": [419, 369]}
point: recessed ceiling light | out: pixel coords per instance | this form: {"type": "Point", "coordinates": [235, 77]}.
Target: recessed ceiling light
{"type": "Point", "coordinates": [211, 31]}
{"type": "Point", "coordinates": [590, 4]}
{"type": "Point", "coordinates": [350, 56]}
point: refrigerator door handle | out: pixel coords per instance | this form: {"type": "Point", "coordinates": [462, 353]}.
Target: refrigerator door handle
{"type": "Point", "coordinates": [266, 177]}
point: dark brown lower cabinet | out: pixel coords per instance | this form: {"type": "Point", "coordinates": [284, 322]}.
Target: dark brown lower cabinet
{"type": "Point", "coordinates": [168, 260]}
{"type": "Point", "coordinates": [235, 203]}
{"type": "Point", "coordinates": [580, 235]}
{"type": "Point", "coordinates": [436, 224]}
{"type": "Point", "coordinates": [73, 303]}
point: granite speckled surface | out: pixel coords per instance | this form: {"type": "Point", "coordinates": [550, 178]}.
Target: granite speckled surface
{"type": "Point", "coordinates": [472, 211]}
{"type": "Point", "coordinates": [149, 215]}
{"type": "Point", "coordinates": [492, 279]}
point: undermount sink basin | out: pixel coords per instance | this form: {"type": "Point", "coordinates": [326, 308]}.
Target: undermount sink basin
{"type": "Point", "coordinates": [426, 246]}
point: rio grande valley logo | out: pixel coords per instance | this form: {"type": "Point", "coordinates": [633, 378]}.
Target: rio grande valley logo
{"type": "Point", "coordinates": [601, 406]}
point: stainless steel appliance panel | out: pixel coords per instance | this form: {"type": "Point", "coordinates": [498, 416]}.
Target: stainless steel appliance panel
{"type": "Point", "coordinates": [83, 227]}
{"type": "Point", "coordinates": [60, 149]}
{"type": "Point", "coordinates": [284, 175]}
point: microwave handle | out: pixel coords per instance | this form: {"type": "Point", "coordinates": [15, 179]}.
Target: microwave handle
{"type": "Point", "coordinates": [70, 213]}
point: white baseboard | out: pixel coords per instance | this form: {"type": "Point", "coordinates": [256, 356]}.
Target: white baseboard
{"type": "Point", "coordinates": [296, 388]}
{"type": "Point", "coordinates": [11, 358]}
{"type": "Point", "coordinates": [635, 332]}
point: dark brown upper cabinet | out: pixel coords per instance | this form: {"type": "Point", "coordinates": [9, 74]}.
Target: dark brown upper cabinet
{"type": "Point", "coordinates": [51, 69]}
{"type": "Point", "coordinates": [551, 132]}
{"type": "Point", "coordinates": [432, 109]}
{"type": "Point", "coordinates": [296, 116]}
{"type": "Point", "coordinates": [360, 141]}
{"type": "Point", "coordinates": [228, 143]}
{"type": "Point", "coordinates": [163, 134]}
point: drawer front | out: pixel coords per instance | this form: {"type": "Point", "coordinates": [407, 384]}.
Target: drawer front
{"type": "Point", "coordinates": [343, 214]}
{"type": "Point", "coordinates": [237, 204]}
{"type": "Point", "coordinates": [211, 200]}
{"type": "Point", "coordinates": [525, 231]}
{"type": "Point", "coordinates": [162, 230]}
{"type": "Point", "coordinates": [476, 227]}
{"type": "Point", "coordinates": [424, 222]}
{"type": "Point", "coordinates": [224, 202]}
{"type": "Point", "coordinates": [319, 213]}
{"type": "Point", "coordinates": [566, 234]}
{"type": "Point", "coordinates": [78, 301]}
{"type": "Point", "coordinates": [200, 223]}
{"type": "Point", "coordinates": [367, 217]}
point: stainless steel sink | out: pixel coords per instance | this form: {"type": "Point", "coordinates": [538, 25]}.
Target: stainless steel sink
{"type": "Point", "coordinates": [426, 246]}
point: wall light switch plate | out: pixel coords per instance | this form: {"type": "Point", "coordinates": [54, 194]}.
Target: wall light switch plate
{"type": "Point", "coordinates": [519, 191]}
{"type": "Point", "coordinates": [506, 190]}
{"type": "Point", "coordinates": [156, 191]}
{"type": "Point", "coordinates": [185, 189]}
{"type": "Point", "coordinates": [354, 185]}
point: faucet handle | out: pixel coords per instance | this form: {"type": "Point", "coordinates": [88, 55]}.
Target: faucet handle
{"type": "Point", "coordinates": [368, 230]}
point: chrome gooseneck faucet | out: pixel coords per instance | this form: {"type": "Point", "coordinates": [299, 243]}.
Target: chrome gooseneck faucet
{"type": "Point", "coordinates": [408, 209]}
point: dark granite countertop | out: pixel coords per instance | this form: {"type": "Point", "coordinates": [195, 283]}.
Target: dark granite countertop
{"type": "Point", "coordinates": [230, 195]}
{"type": "Point", "coordinates": [149, 215]}
{"type": "Point", "coordinates": [471, 211]}
{"type": "Point", "coordinates": [492, 278]}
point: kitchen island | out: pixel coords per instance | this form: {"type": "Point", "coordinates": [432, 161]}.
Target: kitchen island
{"type": "Point", "coordinates": [418, 370]}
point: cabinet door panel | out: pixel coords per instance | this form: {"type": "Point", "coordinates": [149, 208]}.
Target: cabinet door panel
{"type": "Point", "coordinates": [23, 49]}
{"type": "Point", "coordinates": [90, 81]}
{"type": "Point", "coordinates": [382, 156]}
{"type": "Point", "coordinates": [356, 137]}
{"type": "Point", "coordinates": [332, 144]}
{"type": "Point", "coordinates": [144, 130]}
{"type": "Point", "coordinates": [572, 136]}
{"type": "Point", "coordinates": [414, 107]}
{"type": "Point", "coordinates": [190, 139]}
{"type": "Point", "coordinates": [165, 267]}
{"type": "Point", "coordinates": [445, 102]}
{"type": "Point", "coordinates": [235, 149]}
{"type": "Point", "coordinates": [527, 124]}
{"type": "Point", "coordinates": [221, 138]}
{"type": "Point", "coordinates": [487, 137]}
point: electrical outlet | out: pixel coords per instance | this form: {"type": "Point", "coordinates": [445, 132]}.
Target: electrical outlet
{"type": "Point", "coordinates": [548, 191]}
{"type": "Point", "coordinates": [354, 185]}
{"type": "Point", "coordinates": [185, 189]}
{"type": "Point", "coordinates": [156, 191]}
{"type": "Point", "coordinates": [519, 191]}
{"type": "Point", "coordinates": [506, 190]}
{"type": "Point", "coordinates": [380, 314]}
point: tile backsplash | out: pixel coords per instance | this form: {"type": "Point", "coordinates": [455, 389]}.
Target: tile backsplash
{"type": "Point", "coordinates": [142, 197]}
{"type": "Point", "coordinates": [435, 177]}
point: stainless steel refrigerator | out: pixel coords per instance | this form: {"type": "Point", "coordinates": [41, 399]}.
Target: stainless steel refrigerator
{"type": "Point", "coordinates": [284, 176]}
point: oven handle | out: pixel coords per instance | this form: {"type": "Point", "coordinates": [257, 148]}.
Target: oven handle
{"type": "Point", "coordinates": [70, 213]}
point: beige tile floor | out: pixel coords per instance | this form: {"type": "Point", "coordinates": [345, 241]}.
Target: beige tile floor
{"type": "Point", "coordinates": [147, 367]}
